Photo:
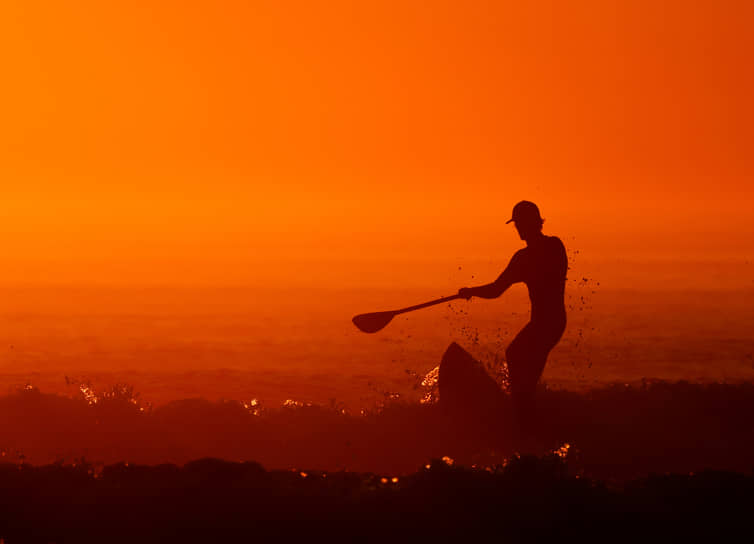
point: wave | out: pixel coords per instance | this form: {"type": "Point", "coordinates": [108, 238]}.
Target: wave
{"type": "Point", "coordinates": [617, 432]}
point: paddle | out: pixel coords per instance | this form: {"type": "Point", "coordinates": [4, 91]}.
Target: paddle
{"type": "Point", "coordinates": [376, 321]}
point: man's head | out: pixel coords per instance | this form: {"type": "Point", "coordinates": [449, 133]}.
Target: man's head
{"type": "Point", "coordinates": [527, 219]}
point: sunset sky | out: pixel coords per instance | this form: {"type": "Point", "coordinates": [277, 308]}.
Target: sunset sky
{"type": "Point", "coordinates": [277, 142]}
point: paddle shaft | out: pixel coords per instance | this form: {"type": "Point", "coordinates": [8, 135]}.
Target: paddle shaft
{"type": "Point", "coordinates": [425, 304]}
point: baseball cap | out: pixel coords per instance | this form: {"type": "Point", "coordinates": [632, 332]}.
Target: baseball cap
{"type": "Point", "coordinates": [524, 211]}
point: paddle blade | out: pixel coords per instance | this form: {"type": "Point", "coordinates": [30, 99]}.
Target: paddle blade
{"type": "Point", "coordinates": [372, 322]}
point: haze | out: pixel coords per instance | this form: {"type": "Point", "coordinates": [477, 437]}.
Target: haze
{"type": "Point", "coordinates": [269, 143]}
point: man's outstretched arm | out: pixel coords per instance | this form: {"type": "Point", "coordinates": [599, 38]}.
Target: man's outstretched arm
{"type": "Point", "coordinates": [493, 290]}
{"type": "Point", "coordinates": [489, 290]}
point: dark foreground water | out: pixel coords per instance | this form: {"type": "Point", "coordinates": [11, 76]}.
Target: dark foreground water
{"type": "Point", "coordinates": [657, 462]}
{"type": "Point", "coordinates": [528, 499]}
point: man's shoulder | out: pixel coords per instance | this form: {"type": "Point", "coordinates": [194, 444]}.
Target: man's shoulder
{"type": "Point", "coordinates": [556, 242]}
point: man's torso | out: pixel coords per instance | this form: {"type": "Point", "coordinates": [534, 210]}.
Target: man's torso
{"type": "Point", "coordinates": [542, 267]}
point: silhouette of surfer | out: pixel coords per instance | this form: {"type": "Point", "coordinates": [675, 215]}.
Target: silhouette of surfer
{"type": "Point", "coordinates": [542, 266]}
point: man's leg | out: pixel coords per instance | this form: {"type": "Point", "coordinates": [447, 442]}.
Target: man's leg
{"type": "Point", "coordinates": [526, 360]}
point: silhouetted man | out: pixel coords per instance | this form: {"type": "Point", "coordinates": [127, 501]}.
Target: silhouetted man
{"type": "Point", "coordinates": [542, 266]}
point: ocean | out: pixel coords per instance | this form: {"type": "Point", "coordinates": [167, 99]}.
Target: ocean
{"type": "Point", "coordinates": [245, 343]}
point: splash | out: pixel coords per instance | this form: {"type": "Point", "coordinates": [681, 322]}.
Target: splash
{"type": "Point", "coordinates": [254, 407]}
{"type": "Point", "coordinates": [430, 385]}
{"type": "Point", "coordinates": [88, 393]}
{"type": "Point", "coordinates": [562, 451]}
{"type": "Point", "coordinates": [290, 403]}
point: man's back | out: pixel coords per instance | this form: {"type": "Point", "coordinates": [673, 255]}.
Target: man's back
{"type": "Point", "coordinates": [542, 266]}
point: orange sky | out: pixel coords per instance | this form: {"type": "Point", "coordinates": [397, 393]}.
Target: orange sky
{"type": "Point", "coordinates": [253, 142]}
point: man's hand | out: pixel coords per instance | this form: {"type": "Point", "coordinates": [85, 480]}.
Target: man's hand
{"type": "Point", "coordinates": [466, 292]}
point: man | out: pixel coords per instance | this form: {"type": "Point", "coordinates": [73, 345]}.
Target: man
{"type": "Point", "coordinates": [542, 266]}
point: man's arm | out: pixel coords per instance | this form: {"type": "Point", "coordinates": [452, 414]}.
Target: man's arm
{"type": "Point", "coordinates": [508, 277]}
{"type": "Point", "coordinates": [489, 290]}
